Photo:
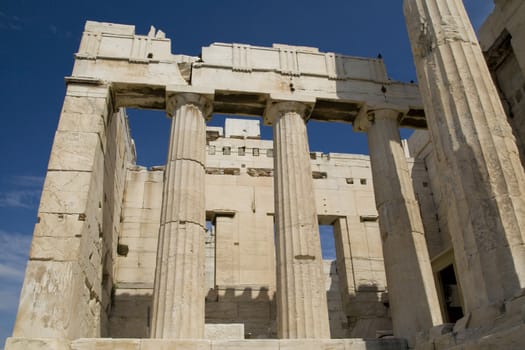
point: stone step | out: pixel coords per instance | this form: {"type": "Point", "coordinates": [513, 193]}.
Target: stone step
{"type": "Point", "coordinates": [156, 344]}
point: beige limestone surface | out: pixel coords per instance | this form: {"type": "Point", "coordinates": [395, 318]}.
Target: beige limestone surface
{"type": "Point", "coordinates": [301, 300]}
{"type": "Point", "coordinates": [489, 239]}
{"type": "Point", "coordinates": [476, 157]}
{"type": "Point", "coordinates": [69, 275]}
{"type": "Point", "coordinates": [407, 262]}
{"type": "Point", "coordinates": [178, 294]}
{"type": "Point", "coordinates": [241, 266]}
{"type": "Point", "coordinates": [96, 242]}
{"type": "Point", "coordinates": [167, 344]}
{"type": "Point", "coordinates": [502, 39]}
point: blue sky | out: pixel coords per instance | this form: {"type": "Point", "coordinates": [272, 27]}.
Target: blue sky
{"type": "Point", "coordinates": [39, 37]}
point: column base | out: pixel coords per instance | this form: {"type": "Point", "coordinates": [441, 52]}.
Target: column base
{"type": "Point", "coordinates": [503, 331]}
{"type": "Point", "coordinates": [506, 339]}
{"type": "Point", "coordinates": [191, 344]}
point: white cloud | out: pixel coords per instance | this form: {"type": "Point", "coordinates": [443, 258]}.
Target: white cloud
{"type": "Point", "coordinates": [15, 27]}
{"type": "Point", "coordinates": [24, 192]}
{"type": "Point", "coordinates": [14, 248]}
{"type": "Point", "coordinates": [28, 181]}
{"type": "Point", "coordinates": [19, 199]}
{"type": "Point", "coordinates": [9, 304]}
{"type": "Point", "coordinates": [11, 22]}
{"type": "Point", "coordinates": [12, 273]}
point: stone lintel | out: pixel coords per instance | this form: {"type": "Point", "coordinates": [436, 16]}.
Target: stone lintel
{"type": "Point", "coordinates": [172, 89]}
{"type": "Point", "coordinates": [245, 103]}
{"type": "Point", "coordinates": [240, 76]}
{"type": "Point", "coordinates": [84, 80]}
{"type": "Point", "coordinates": [212, 214]}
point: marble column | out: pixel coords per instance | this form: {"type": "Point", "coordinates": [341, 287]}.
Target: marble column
{"type": "Point", "coordinates": [477, 155]}
{"type": "Point", "coordinates": [412, 293]}
{"type": "Point", "coordinates": [178, 299]}
{"type": "Point", "coordinates": [302, 310]}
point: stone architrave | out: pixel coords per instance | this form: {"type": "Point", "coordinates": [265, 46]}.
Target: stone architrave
{"type": "Point", "coordinates": [302, 310]}
{"type": "Point", "coordinates": [178, 300]}
{"type": "Point", "coordinates": [412, 293]}
{"type": "Point", "coordinates": [476, 152]}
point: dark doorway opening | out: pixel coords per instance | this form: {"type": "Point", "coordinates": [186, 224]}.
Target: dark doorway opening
{"type": "Point", "coordinates": [451, 294]}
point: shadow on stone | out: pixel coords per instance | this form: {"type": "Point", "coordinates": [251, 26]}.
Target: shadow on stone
{"type": "Point", "coordinates": [255, 309]}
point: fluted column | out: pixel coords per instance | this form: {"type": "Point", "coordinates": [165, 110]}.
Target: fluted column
{"type": "Point", "coordinates": [477, 155]}
{"type": "Point", "coordinates": [302, 311]}
{"type": "Point", "coordinates": [178, 299]}
{"type": "Point", "coordinates": [412, 293]}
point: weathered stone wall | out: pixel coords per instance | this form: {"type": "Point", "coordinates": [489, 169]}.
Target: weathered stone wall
{"type": "Point", "coordinates": [339, 327]}
{"type": "Point", "coordinates": [473, 164]}
{"type": "Point", "coordinates": [508, 15]}
{"type": "Point", "coordinates": [119, 157]}
{"type": "Point", "coordinates": [240, 251]}
{"type": "Point", "coordinates": [69, 277]}
{"type": "Point", "coordinates": [136, 253]}
{"type": "Point", "coordinates": [239, 203]}
{"type": "Point", "coordinates": [429, 191]}
{"type": "Point", "coordinates": [92, 260]}
{"type": "Point", "coordinates": [118, 229]}
{"type": "Point", "coordinates": [502, 38]}
{"type": "Point", "coordinates": [345, 199]}
{"type": "Point", "coordinates": [343, 192]}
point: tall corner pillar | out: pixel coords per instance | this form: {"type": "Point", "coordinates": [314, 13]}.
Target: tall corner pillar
{"type": "Point", "coordinates": [302, 310]}
{"type": "Point", "coordinates": [477, 155]}
{"type": "Point", "coordinates": [412, 293]}
{"type": "Point", "coordinates": [179, 291]}
{"type": "Point", "coordinates": [61, 294]}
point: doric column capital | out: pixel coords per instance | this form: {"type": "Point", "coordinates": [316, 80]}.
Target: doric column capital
{"type": "Point", "coordinates": [301, 299]}
{"type": "Point", "coordinates": [277, 106]}
{"type": "Point", "coordinates": [384, 114]}
{"type": "Point", "coordinates": [179, 95]}
{"type": "Point", "coordinates": [366, 117]}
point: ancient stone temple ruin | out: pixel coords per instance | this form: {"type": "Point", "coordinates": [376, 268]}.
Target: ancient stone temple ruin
{"type": "Point", "coordinates": [219, 248]}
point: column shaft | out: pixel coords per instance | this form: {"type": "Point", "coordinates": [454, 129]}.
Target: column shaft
{"type": "Point", "coordinates": [476, 152]}
{"type": "Point", "coordinates": [302, 311]}
{"type": "Point", "coordinates": [178, 300]}
{"type": "Point", "coordinates": [413, 299]}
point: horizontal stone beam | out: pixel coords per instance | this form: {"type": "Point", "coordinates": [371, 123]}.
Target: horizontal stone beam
{"type": "Point", "coordinates": [140, 68]}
